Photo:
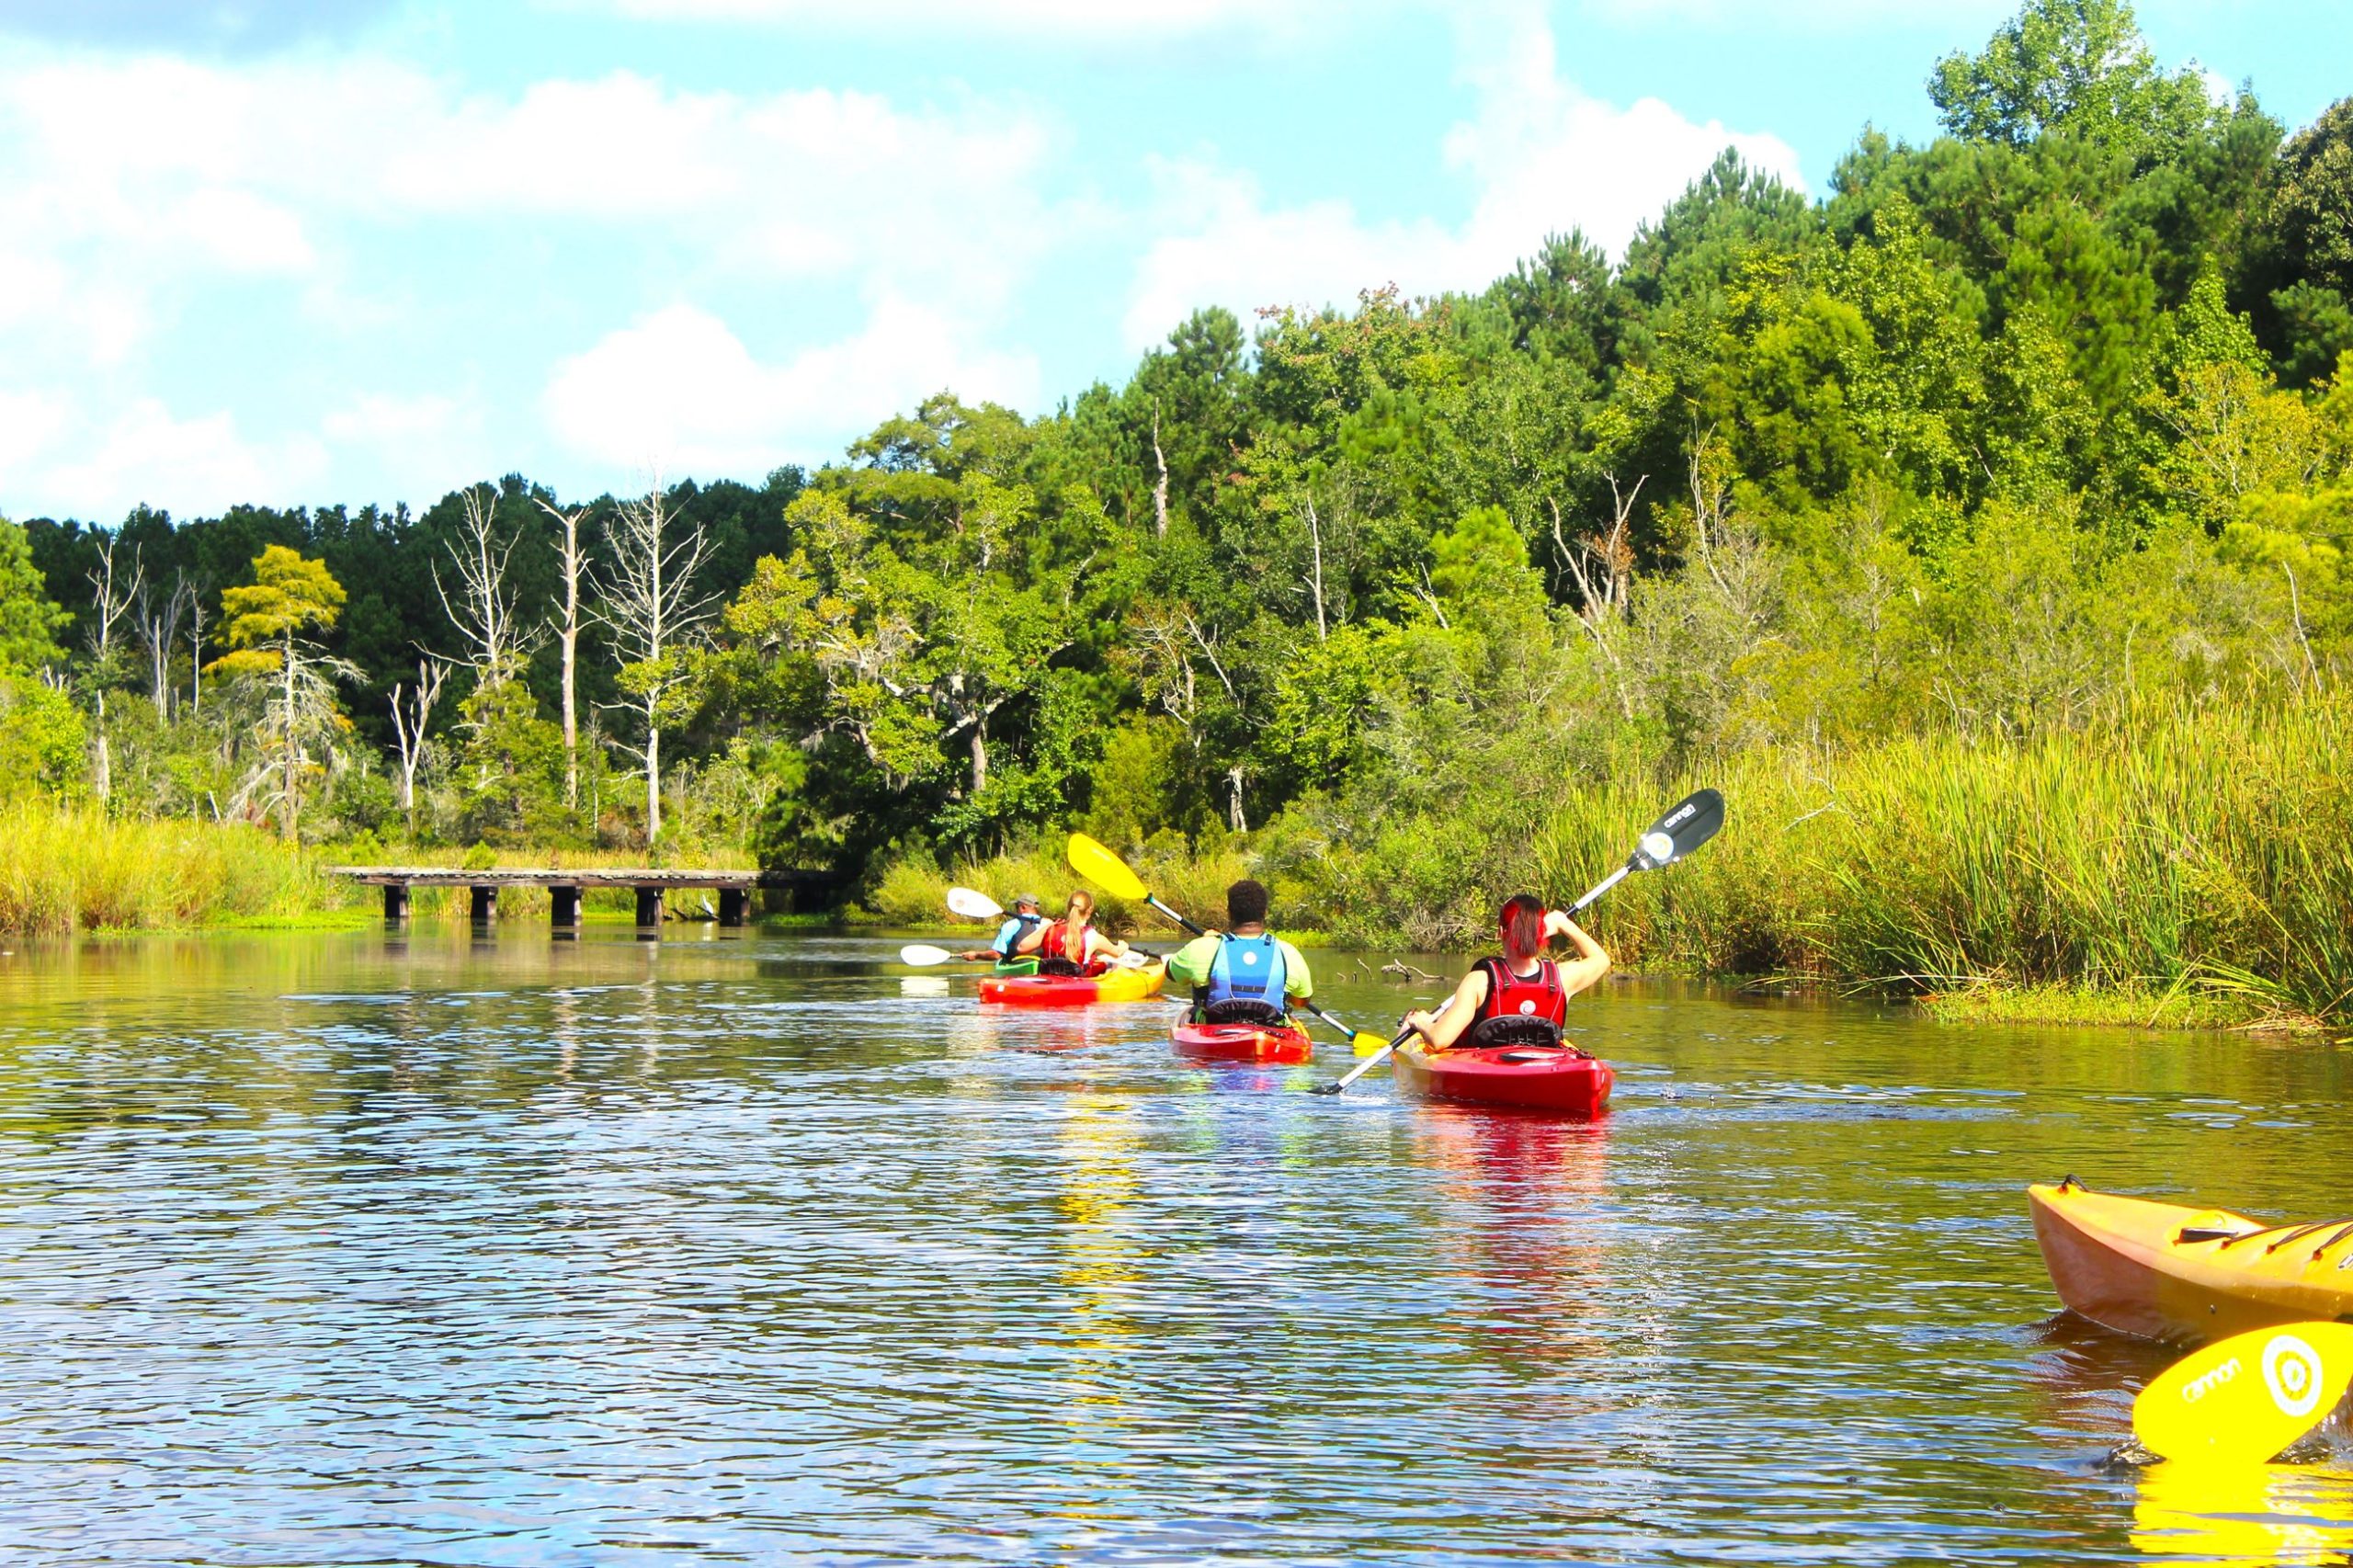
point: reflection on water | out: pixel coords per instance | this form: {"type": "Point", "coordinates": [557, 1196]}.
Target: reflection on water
{"type": "Point", "coordinates": [365, 1249]}
{"type": "Point", "coordinates": [2245, 1514]}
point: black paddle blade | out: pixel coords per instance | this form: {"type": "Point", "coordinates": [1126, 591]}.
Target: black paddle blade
{"type": "Point", "coordinates": [1692, 823]}
{"type": "Point", "coordinates": [1324, 1089]}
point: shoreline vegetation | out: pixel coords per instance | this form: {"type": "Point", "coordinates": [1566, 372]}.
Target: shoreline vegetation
{"type": "Point", "coordinates": [2167, 867]}
{"type": "Point", "coordinates": [1978, 525]}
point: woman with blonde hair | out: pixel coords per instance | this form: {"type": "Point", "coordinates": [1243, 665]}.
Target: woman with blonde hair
{"type": "Point", "coordinates": [1072, 945]}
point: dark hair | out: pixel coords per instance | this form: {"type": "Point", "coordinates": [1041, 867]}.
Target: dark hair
{"type": "Point", "coordinates": [1522, 924]}
{"type": "Point", "coordinates": [1245, 903]}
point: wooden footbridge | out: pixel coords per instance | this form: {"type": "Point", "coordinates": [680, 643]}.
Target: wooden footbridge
{"type": "Point", "coordinates": [565, 884]}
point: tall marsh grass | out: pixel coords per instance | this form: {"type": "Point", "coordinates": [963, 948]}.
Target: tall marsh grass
{"type": "Point", "coordinates": [2167, 855]}
{"type": "Point", "coordinates": [75, 869]}
{"type": "Point", "coordinates": [2173, 851]}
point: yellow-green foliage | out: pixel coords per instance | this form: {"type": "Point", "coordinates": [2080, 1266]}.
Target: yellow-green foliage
{"type": "Point", "coordinates": [2213, 846]}
{"type": "Point", "coordinates": [72, 869]}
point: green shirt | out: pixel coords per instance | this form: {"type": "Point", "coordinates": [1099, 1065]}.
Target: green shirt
{"type": "Point", "coordinates": [1190, 965]}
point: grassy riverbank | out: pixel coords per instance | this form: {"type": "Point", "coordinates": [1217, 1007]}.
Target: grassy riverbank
{"type": "Point", "coordinates": [2169, 868]}
{"type": "Point", "coordinates": [63, 871]}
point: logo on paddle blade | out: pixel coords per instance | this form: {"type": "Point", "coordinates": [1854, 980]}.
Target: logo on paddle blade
{"type": "Point", "coordinates": [2191, 1392]}
{"type": "Point", "coordinates": [2292, 1372]}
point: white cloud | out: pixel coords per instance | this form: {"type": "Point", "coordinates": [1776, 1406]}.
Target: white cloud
{"type": "Point", "coordinates": [125, 183]}
{"type": "Point", "coordinates": [30, 423]}
{"type": "Point", "coordinates": [1538, 158]}
{"type": "Point", "coordinates": [679, 392]}
{"type": "Point", "coordinates": [202, 465]}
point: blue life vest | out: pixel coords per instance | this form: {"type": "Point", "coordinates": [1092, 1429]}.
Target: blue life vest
{"type": "Point", "coordinates": [1247, 971]}
{"type": "Point", "coordinates": [1009, 935]}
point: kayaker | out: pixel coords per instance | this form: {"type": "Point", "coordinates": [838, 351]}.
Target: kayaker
{"type": "Point", "coordinates": [1014, 938]}
{"type": "Point", "coordinates": [1522, 998]}
{"type": "Point", "coordinates": [1243, 974]}
{"type": "Point", "coordinates": [1072, 945]}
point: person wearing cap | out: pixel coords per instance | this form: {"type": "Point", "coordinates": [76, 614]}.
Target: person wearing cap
{"type": "Point", "coordinates": [1245, 974]}
{"type": "Point", "coordinates": [1521, 997]}
{"type": "Point", "coordinates": [1016, 946]}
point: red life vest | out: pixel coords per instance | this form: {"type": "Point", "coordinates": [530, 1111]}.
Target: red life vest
{"type": "Point", "coordinates": [1055, 944]}
{"type": "Point", "coordinates": [1519, 1010]}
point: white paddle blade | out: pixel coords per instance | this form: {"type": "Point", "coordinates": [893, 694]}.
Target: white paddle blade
{"type": "Point", "coordinates": [973, 905]}
{"type": "Point", "coordinates": [2242, 1400]}
{"type": "Point", "coordinates": [923, 954]}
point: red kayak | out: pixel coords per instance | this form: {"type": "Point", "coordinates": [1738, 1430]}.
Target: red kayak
{"type": "Point", "coordinates": [1240, 1043]}
{"type": "Point", "coordinates": [1558, 1078]}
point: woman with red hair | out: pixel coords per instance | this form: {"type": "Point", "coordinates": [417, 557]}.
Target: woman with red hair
{"type": "Point", "coordinates": [1522, 998]}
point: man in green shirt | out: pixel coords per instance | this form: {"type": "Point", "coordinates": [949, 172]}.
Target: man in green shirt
{"type": "Point", "coordinates": [1245, 974]}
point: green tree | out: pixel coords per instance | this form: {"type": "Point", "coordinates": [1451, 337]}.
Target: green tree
{"type": "Point", "coordinates": [2074, 67]}
{"type": "Point", "coordinates": [268, 622]}
{"type": "Point", "coordinates": [30, 619]}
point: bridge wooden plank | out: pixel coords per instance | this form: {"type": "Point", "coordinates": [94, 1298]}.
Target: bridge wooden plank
{"type": "Point", "coordinates": [575, 877]}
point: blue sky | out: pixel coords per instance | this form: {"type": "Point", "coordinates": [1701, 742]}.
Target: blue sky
{"type": "Point", "coordinates": [308, 251]}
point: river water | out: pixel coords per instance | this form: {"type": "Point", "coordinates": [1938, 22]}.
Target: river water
{"type": "Point", "coordinates": [359, 1248]}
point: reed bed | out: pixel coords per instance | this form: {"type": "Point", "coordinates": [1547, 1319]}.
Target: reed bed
{"type": "Point", "coordinates": [67, 870]}
{"type": "Point", "coordinates": [2184, 865]}
{"type": "Point", "coordinates": [2208, 851]}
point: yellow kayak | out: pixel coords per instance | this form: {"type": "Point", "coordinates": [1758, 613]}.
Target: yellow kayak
{"type": "Point", "coordinates": [2164, 1271]}
{"type": "Point", "coordinates": [1076, 990]}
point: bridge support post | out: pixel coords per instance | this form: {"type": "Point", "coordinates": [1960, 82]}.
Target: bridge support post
{"type": "Point", "coordinates": [485, 903]}
{"type": "Point", "coordinates": [649, 908]}
{"type": "Point", "coordinates": [564, 908]}
{"type": "Point", "coordinates": [734, 906]}
{"type": "Point", "coordinates": [395, 903]}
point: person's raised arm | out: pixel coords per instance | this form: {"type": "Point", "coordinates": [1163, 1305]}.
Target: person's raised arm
{"type": "Point", "coordinates": [1592, 960]}
{"type": "Point", "coordinates": [1446, 1026]}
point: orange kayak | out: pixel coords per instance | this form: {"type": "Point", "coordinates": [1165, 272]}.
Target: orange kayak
{"type": "Point", "coordinates": [2163, 1271]}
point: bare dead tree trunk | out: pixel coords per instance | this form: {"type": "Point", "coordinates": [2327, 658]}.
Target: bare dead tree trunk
{"type": "Point", "coordinates": [195, 649]}
{"type": "Point", "coordinates": [158, 623]}
{"type": "Point", "coordinates": [1234, 799]}
{"type": "Point", "coordinates": [572, 563]}
{"type": "Point", "coordinates": [293, 752]}
{"type": "Point", "coordinates": [112, 597]}
{"type": "Point", "coordinates": [649, 604]}
{"type": "Point", "coordinates": [1160, 489]}
{"type": "Point", "coordinates": [1315, 580]}
{"type": "Point", "coordinates": [482, 607]}
{"type": "Point", "coordinates": [412, 707]}
{"type": "Point", "coordinates": [1604, 588]}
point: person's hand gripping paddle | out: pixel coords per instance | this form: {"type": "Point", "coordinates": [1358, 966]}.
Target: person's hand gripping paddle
{"type": "Point", "coordinates": [1690, 822]}
{"type": "Point", "coordinates": [2240, 1400]}
{"type": "Point", "coordinates": [1100, 866]}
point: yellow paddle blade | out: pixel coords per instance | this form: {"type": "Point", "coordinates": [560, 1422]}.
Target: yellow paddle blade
{"type": "Point", "coordinates": [1107, 871]}
{"type": "Point", "coordinates": [1369, 1044]}
{"type": "Point", "coordinates": [2243, 1399]}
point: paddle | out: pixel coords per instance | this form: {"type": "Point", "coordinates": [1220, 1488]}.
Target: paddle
{"type": "Point", "coordinates": [973, 905]}
{"type": "Point", "coordinates": [2242, 1400]}
{"type": "Point", "coordinates": [1687, 824]}
{"type": "Point", "coordinates": [1099, 864]}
